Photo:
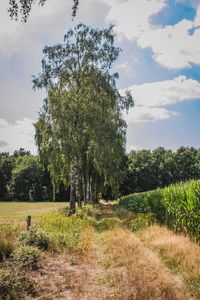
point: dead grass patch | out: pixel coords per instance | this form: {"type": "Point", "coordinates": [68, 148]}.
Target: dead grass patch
{"type": "Point", "coordinates": [178, 252]}
{"type": "Point", "coordinates": [136, 272]}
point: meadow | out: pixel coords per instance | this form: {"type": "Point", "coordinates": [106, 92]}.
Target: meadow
{"type": "Point", "coordinates": [102, 252]}
{"type": "Point", "coordinates": [20, 210]}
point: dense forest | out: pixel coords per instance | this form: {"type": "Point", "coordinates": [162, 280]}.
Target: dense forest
{"type": "Point", "coordinates": [24, 178]}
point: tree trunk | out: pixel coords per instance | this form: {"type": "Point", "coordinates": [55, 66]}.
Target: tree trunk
{"type": "Point", "coordinates": [73, 168]}
{"type": "Point", "coordinates": [88, 191]}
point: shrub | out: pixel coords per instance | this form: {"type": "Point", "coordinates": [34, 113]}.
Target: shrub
{"type": "Point", "coordinates": [143, 221]}
{"type": "Point", "coordinates": [27, 257]}
{"type": "Point", "coordinates": [10, 285]}
{"type": "Point", "coordinates": [35, 237]}
{"type": "Point", "coordinates": [6, 248]}
{"type": "Point", "coordinates": [107, 223]}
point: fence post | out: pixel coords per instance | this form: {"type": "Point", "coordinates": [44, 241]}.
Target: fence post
{"type": "Point", "coordinates": [28, 221]}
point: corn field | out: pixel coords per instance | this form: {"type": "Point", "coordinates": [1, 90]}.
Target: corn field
{"type": "Point", "coordinates": [177, 206]}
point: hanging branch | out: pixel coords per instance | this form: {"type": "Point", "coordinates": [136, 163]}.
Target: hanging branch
{"type": "Point", "coordinates": [23, 8]}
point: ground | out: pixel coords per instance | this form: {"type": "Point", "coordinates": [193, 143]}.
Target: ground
{"type": "Point", "coordinates": [151, 264]}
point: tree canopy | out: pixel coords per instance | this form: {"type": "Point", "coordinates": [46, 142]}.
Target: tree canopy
{"type": "Point", "coordinates": [22, 8]}
{"type": "Point", "coordinates": [80, 131]}
{"type": "Point", "coordinates": [148, 170]}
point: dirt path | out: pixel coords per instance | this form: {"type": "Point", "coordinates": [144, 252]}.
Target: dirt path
{"type": "Point", "coordinates": [119, 267]}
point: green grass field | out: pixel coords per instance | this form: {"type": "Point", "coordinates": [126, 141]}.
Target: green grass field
{"type": "Point", "coordinates": [20, 210]}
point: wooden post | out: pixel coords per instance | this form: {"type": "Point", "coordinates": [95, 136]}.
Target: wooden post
{"type": "Point", "coordinates": [28, 221]}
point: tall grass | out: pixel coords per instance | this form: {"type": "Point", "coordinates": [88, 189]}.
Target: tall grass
{"type": "Point", "coordinates": [178, 206]}
{"type": "Point", "coordinates": [71, 233]}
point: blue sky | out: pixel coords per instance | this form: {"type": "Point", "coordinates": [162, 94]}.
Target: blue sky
{"type": "Point", "coordinates": [160, 64]}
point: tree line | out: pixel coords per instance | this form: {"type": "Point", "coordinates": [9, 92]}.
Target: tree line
{"type": "Point", "coordinates": [24, 178]}
{"type": "Point", "coordinates": [147, 170]}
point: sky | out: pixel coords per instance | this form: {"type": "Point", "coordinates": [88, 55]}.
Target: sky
{"type": "Point", "coordinates": [160, 65]}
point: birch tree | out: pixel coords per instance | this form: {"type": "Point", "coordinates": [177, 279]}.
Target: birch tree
{"type": "Point", "coordinates": [80, 131]}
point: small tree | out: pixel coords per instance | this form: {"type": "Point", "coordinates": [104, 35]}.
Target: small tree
{"type": "Point", "coordinates": [80, 132]}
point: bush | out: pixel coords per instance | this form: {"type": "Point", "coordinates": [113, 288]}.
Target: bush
{"type": "Point", "coordinates": [27, 257]}
{"type": "Point", "coordinates": [107, 224]}
{"type": "Point", "coordinates": [10, 285]}
{"type": "Point", "coordinates": [143, 221]}
{"type": "Point", "coordinates": [6, 248]}
{"type": "Point", "coordinates": [35, 237]}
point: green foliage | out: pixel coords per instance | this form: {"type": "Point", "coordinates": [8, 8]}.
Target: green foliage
{"type": "Point", "coordinates": [14, 286]}
{"type": "Point", "coordinates": [27, 179]}
{"type": "Point", "coordinates": [107, 224]}
{"type": "Point", "coordinates": [23, 8]}
{"type": "Point", "coordinates": [70, 233]}
{"type": "Point", "coordinates": [6, 166]}
{"type": "Point", "coordinates": [177, 205]}
{"type": "Point", "coordinates": [35, 237]}
{"type": "Point", "coordinates": [143, 221]}
{"type": "Point", "coordinates": [137, 203]}
{"type": "Point", "coordinates": [80, 131]}
{"type": "Point", "coordinates": [182, 202]}
{"type": "Point", "coordinates": [148, 170]}
{"type": "Point", "coordinates": [27, 257]}
{"type": "Point", "coordinates": [6, 248]}
{"type": "Point", "coordinates": [10, 285]}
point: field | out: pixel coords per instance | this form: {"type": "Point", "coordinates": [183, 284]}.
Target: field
{"type": "Point", "coordinates": [20, 210]}
{"type": "Point", "coordinates": [177, 206]}
{"type": "Point", "coordinates": [104, 252]}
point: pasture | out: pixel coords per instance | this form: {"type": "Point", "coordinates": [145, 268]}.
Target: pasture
{"type": "Point", "coordinates": [20, 210]}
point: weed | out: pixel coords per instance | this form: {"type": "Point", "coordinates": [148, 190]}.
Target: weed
{"type": "Point", "coordinates": [143, 221]}
{"type": "Point", "coordinates": [35, 237]}
{"type": "Point", "coordinates": [27, 257]}
{"type": "Point", "coordinates": [6, 248]}
{"type": "Point", "coordinates": [10, 285]}
{"type": "Point", "coordinates": [107, 224]}
{"type": "Point", "coordinates": [71, 233]}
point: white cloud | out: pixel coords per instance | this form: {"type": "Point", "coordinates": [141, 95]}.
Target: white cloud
{"type": "Point", "coordinates": [144, 114]}
{"type": "Point", "coordinates": [17, 135]}
{"type": "Point", "coordinates": [17, 35]}
{"type": "Point", "coordinates": [165, 92]}
{"type": "Point", "coordinates": [174, 47]}
{"type": "Point", "coordinates": [151, 97]}
{"type": "Point", "coordinates": [132, 17]}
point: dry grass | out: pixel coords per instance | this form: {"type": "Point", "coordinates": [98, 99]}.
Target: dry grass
{"type": "Point", "coordinates": [59, 278]}
{"type": "Point", "coordinates": [136, 272]}
{"type": "Point", "coordinates": [113, 264]}
{"type": "Point", "coordinates": [178, 252]}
